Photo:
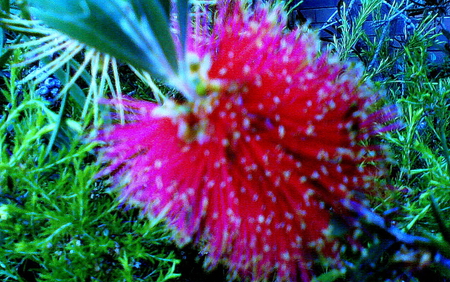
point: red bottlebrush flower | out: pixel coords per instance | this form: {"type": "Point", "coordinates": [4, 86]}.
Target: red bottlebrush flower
{"type": "Point", "coordinates": [254, 167]}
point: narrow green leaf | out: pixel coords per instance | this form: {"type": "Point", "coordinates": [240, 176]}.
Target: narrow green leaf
{"type": "Point", "coordinates": [2, 38]}
{"type": "Point", "coordinates": [183, 17]}
{"type": "Point", "coordinates": [330, 276]}
{"type": "Point", "coordinates": [440, 220]}
{"type": "Point", "coordinates": [54, 134]}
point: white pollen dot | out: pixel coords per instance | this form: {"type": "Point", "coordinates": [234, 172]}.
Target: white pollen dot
{"type": "Point", "coordinates": [289, 79]}
{"type": "Point", "coordinates": [158, 164]}
{"type": "Point", "coordinates": [225, 142]}
{"type": "Point", "coordinates": [276, 100]}
{"type": "Point", "coordinates": [310, 75]}
{"type": "Point", "coordinates": [266, 248]}
{"type": "Point", "coordinates": [309, 103]}
{"type": "Point", "coordinates": [303, 179]}
{"type": "Point", "coordinates": [258, 81]}
{"type": "Point", "coordinates": [286, 256]}
{"type": "Point", "coordinates": [223, 71]}
{"type": "Point", "coordinates": [315, 175]}
{"type": "Point", "coordinates": [206, 152]}
{"type": "Point", "coordinates": [319, 117]}
{"type": "Point", "coordinates": [231, 54]}
{"type": "Point", "coordinates": [247, 69]}
{"type": "Point", "coordinates": [277, 182]}
{"type": "Point", "coordinates": [289, 215]}
{"type": "Point", "coordinates": [246, 123]}
{"type": "Point", "coordinates": [260, 218]}
{"type": "Point", "coordinates": [324, 170]}
{"type": "Point", "coordinates": [159, 183]}
{"type": "Point", "coordinates": [332, 104]}
{"type": "Point", "coordinates": [281, 131]}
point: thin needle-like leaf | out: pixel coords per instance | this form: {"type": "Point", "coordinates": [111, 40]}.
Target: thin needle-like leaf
{"type": "Point", "coordinates": [440, 220]}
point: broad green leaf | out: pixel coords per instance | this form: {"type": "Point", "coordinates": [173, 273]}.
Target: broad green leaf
{"type": "Point", "coordinates": [158, 16]}
{"type": "Point", "coordinates": [136, 31]}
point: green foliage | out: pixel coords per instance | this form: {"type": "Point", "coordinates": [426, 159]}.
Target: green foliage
{"type": "Point", "coordinates": [418, 200]}
{"type": "Point", "coordinates": [136, 32]}
{"type": "Point", "coordinates": [420, 150]}
{"type": "Point", "coordinates": [57, 223]}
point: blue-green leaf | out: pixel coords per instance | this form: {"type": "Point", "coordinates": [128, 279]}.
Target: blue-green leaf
{"type": "Point", "coordinates": [158, 16]}
{"type": "Point", "coordinates": [135, 31]}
